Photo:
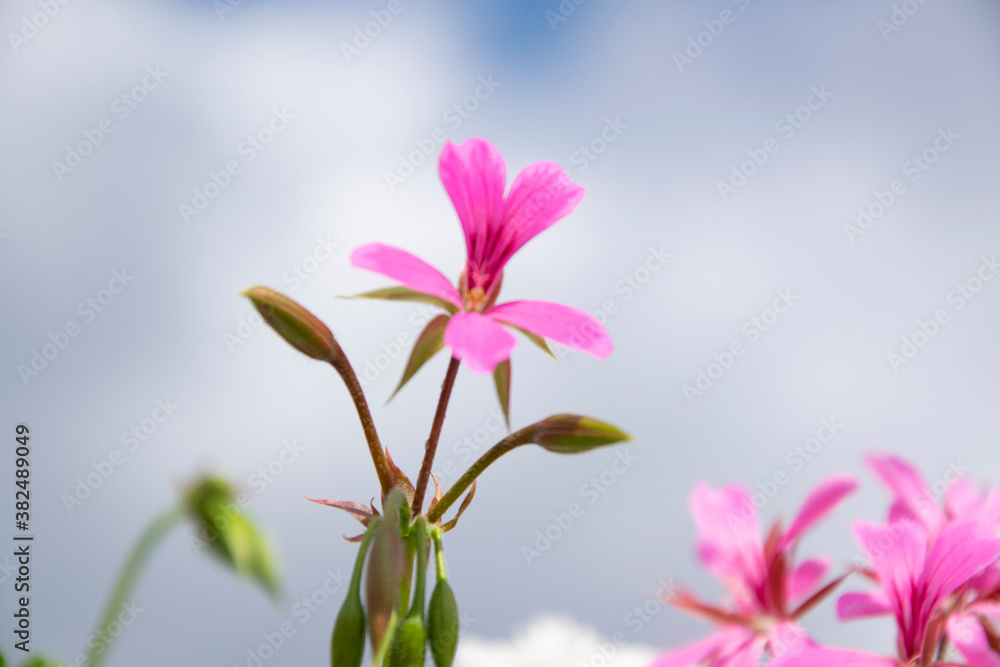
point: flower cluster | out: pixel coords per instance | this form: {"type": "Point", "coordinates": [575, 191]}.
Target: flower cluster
{"type": "Point", "coordinates": [393, 557]}
{"type": "Point", "coordinates": [934, 567]}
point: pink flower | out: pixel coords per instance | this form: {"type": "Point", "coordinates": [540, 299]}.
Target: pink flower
{"type": "Point", "coordinates": [768, 592]}
{"type": "Point", "coordinates": [924, 585]}
{"type": "Point", "coordinates": [495, 226]}
{"type": "Point", "coordinates": [913, 497]}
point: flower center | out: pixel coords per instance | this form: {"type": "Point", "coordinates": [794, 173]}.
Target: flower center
{"type": "Point", "coordinates": [475, 299]}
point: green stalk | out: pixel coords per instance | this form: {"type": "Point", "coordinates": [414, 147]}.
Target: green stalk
{"type": "Point", "coordinates": [130, 573]}
{"type": "Point", "coordinates": [525, 436]}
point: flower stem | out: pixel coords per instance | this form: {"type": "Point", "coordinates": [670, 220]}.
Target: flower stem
{"type": "Point", "coordinates": [432, 441]}
{"type": "Point", "coordinates": [346, 371]}
{"type": "Point", "coordinates": [523, 437]}
{"type": "Point", "coordinates": [130, 572]}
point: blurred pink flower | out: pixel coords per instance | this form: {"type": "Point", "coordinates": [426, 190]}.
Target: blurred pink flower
{"type": "Point", "coordinates": [769, 594]}
{"type": "Point", "coordinates": [496, 226]}
{"type": "Point", "coordinates": [924, 584]}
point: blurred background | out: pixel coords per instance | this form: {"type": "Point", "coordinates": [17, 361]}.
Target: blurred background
{"type": "Point", "coordinates": [815, 181]}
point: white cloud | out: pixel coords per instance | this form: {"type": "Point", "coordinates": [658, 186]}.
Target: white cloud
{"type": "Point", "coordinates": [552, 641]}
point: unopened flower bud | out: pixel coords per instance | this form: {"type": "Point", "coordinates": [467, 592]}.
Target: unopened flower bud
{"type": "Point", "coordinates": [409, 643]}
{"type": "Point", "coordinates": [442, 624]}
{"type": "Point", "coordinates": [572, 434]}
{"type": "Point", "coordinates": [230, 535]}
{"type": "Point", "coordinates": [300, 328]}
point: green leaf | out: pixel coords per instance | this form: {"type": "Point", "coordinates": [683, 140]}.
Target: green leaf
{"type": "Point", "coordinates": [400, 293]}
{"type": "Point", "coordinates": [501, 378]}
{"type": "Point", "coordinates": [572, 434]}
{"type": "Point", "coordinates": [537, 340]}
{"type": "Point", "coordinates": [429, 342]}
{"type": "Point", "coordinates": [300, 328]}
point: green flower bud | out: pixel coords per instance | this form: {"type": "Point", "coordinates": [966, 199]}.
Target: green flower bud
{"type": "Point", "coordinates": [442, 624]}
{"type": "Point", "coordinates": [347, 645]}
{"type": "Point", "coordinates": [386, 565]}
{"type": "Point", "coordinates": [229, 534]}
{"type": "Point", "coordinates": [572, 434]}
{"type": "Point", "coordinates": [300, 328]}
{"type": "Point", "coordinates": [409, 644]}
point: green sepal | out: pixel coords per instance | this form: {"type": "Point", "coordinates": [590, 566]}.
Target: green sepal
{"type": "Point", "coordinates": [537, 340]}
{"type": "Point", "coordinates": [400, 293]}
{"type": "Point", "coordinates": [429, 342]}
{"type": "Point", "coordinates": [501, 380]}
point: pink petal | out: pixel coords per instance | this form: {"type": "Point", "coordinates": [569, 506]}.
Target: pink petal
{"type": "Point", "coordinates": [831, 657]}
{"type": "Point", "coordinates": [823, 499]}
{"type": "Point", "coordinates": [910, 489]}
{"type": "Point", "coordinates": [806, 577]}
{"type": "Point", "coordinates": [987, 581]}
{"type": "Point", "coordinates": [966, 633]}
{"type": "Point", "coordinates": [960, 551]}
{"type": "Point", "coordinates": [963, 499]}
{"type": "Point", "coordinates": [541, 195]}
{"type": "Point", "coordinates": [852, 606]}
{"type": "Point", "coordinates": [897, 553]}
{"type": "Point", "coordinates": [573, 328]}
{"type": "Point", "coordinates": [729, 534]}
{"type": "Point", "coordinates": [474, 176]}
{"type": "Point", "coordinates": [406, 268]}
{"type": "Point", "coordinates": [748, 655]}
{"type": "Point", "coordinates": [478, 340]}
{"type": "Point", "coordinates": [786, 640]}
{"type": "Point", "coordinates": [694, 654]}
